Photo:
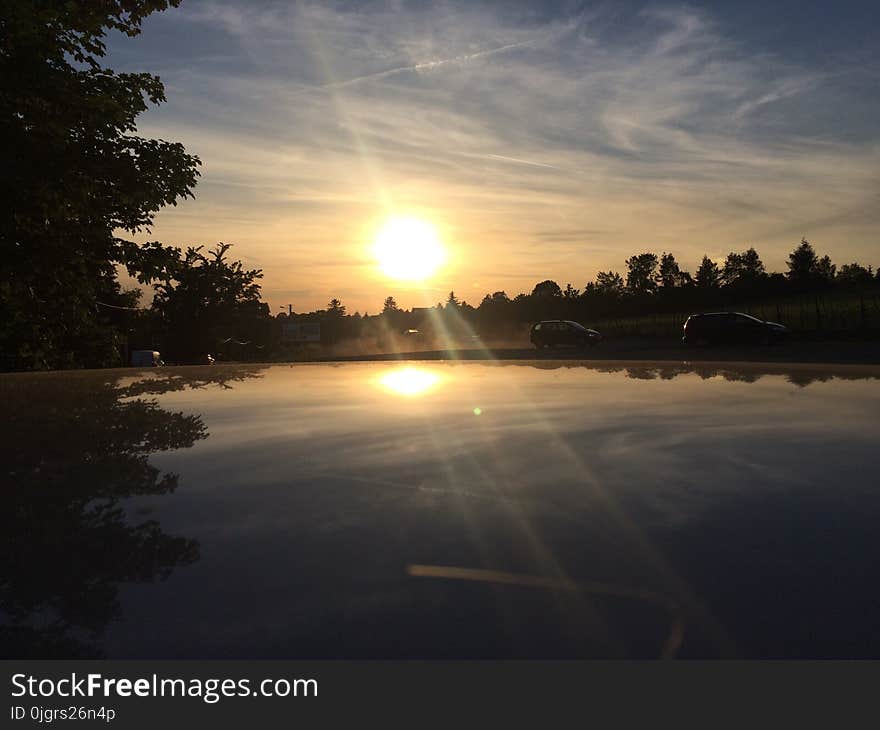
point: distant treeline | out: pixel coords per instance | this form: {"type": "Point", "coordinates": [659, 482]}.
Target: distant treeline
{"type": "Point", "coordinates": [652, 296]}
{"type": "Point", "coordinates": [206, 303]}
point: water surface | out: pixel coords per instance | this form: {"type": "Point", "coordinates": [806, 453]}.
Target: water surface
{"type": "Point", "coordinates": [442, 510]}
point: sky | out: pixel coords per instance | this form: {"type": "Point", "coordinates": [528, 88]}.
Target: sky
{"type": "Point", "coordinates": [541, 140]}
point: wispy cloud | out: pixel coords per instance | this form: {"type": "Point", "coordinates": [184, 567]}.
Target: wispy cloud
{"type": "Point", "coordinates": [423, 66]}
{"type": "Point", "coordinates": [519, 161]}
{"type": "Point", "coordinates": [659, 128]}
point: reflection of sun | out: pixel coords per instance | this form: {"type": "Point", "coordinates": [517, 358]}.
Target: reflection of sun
{"type": "Point", "coordinates": [408, 248]}
{"type": "Point", "coordinates": [409, 381]}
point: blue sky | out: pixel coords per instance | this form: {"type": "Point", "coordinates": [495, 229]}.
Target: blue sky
{"type": "Point", "coordinates": [542, 140]}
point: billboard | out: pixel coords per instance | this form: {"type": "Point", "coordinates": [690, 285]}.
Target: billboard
{"type": "Point", "coordinates": [301, 332]}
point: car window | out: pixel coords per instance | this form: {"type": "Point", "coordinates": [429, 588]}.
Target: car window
{"type": "Point", "coordinates": [537, 326]}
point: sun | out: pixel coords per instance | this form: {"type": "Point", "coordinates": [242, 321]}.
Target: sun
{"type": "Point", "coordinates": [408, 249]}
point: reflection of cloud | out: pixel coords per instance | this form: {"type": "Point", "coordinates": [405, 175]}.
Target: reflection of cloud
{"type": "Point", "coordinates": [316, 468]}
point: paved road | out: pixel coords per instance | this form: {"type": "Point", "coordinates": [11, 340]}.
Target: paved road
{"type": "Point", "coordinates": [656, 349]}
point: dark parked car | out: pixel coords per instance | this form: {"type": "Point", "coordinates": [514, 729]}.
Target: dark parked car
{"type": "Point", "coordinates": [553, 332]}
{"type": "Point", "coordinates": [718, 327]}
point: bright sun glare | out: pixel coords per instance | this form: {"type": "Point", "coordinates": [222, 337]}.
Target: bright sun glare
{"type": "Point", "coordinates": [409, 381]}
{"type": "Point", "coordinates": [408, 248]}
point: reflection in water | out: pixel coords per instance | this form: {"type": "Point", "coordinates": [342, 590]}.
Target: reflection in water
{"type": "Point", "coordinates": [410, 381]}
{"type": "Point", "coordinates": [621, 509]}
{"type": "Point", "coordinates": [800, 375]}
{"type": "Point", "coordinates": [76, 445]}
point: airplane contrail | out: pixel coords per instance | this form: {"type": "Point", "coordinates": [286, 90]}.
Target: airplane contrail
{"type": "Point", "coordinates": [504, 158]}
{"type": "Point", "coordinates": [428, 65]}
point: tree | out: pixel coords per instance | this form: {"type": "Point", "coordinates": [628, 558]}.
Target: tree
{"type": "Point", "coordinates": [336, 308]}
{"type": "Point", "coordinates": [825, 269]}
{"type": "Point", "coordinates": [669, 271]}
{"type": "Point", "coordinates": [708, 275]}
{"type": "Point", "coordinates": [641, 273]}
{"type": "Point", "coordinates": [547, 289]}
{"type": "Point", "coordinates": [390, 305]}
{"type": "Point", "coordinates": [62, 111]}
{"type": "Point", "coordinates": [802, 263]}
{"type": "Point", "coordinates": [498, 298]}
{"type": "Point", "coordinates": [670, 275]}
{"type": "Point", "coordinates": [570, 292]}
{"type": "Point", "coordinates": [854, 274]}
{"type": "Point", "coordinates": [610, 283]}
{"type": "Point", "coordinates": [744, 268]}
{"type": "Point", "coordinates": [452, 301]}
{"type": "Point", "coordinates": [206, 300]}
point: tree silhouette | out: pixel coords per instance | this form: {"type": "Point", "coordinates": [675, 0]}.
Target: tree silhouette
{"type": "Point", "coordinates": [207, 299]}
{"type": "Point", "coordinates": [390, 305]}
{"type": "Point", "coordinates": [670, 274]}
{"type": "Point", "coordinates": [76, 173]}
{"type": "Point", "coordinates": [855, 274]}
{"type": "Point", "coordinates": [806, 270]}
{"type": "Point", "coordinates": [498, 298]}
{"type": "Point", "coordinates": [802, 263]}
{"type": "Point", "coordinates": [641, 273]}
{"type": "Point", "coordinates": [742, 269]}
{"type": "Point", "coordinates": [610, 283]}
{"type": "Point", "coordinates": [825, 269]}
{"type": "Point", "coordinates": [336, 308]}
{"type": "Point", "coordinates": [708, 275]}
{"type": "Point", "coordinates": [547, 289]}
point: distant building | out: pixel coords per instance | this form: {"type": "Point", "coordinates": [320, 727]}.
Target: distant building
{"type": "Point", "coordinates": [421, 315]}
{"type": "Point", "coordinates": [301, 332]}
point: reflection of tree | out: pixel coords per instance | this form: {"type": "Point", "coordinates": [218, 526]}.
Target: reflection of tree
{"type": "Point", "coordinates": [75, 446]}
{"type": "Point", "coordinates": [751, 374]}
{"type": "Point", "coordinates": [803, 379]}
{"type": "Point", "coordinates": [641, 373]}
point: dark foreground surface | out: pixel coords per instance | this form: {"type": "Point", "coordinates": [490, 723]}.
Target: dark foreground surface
{"type": "Point", "coordinates": [382, 510]}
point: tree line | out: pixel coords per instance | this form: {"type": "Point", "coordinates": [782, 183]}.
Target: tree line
{"type": "Point", "coordinates": [649, 285]}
